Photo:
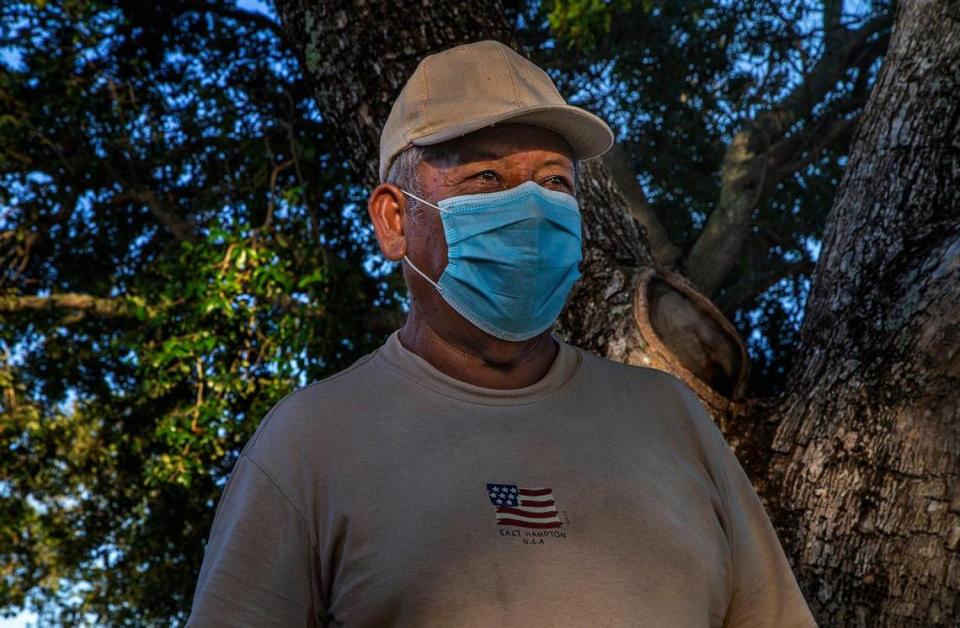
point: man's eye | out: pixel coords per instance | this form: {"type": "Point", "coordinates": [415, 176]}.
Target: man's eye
{"type": "Point", "coordinates": [557, 180]}
{"type": "Point", "coordinates": [487, 175]}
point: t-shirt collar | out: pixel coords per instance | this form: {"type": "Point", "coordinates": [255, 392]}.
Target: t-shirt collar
{"type": "Point", "coordinates": [564, 369]}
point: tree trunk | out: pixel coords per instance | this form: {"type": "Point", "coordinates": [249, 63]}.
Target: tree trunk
{"type": "Point", "coordinates": [865, 470]}
{"type": "Point", "coordinates": [858, 462]}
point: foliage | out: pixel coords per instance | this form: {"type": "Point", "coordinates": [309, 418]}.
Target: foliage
{"type": "Point", "coordinates": [120, 423]}
{"type": "Point", "coordinates": [583, 23]}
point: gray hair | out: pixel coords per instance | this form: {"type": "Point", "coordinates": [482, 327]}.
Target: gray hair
{"type": "Point", "coordinates": [403, 174]}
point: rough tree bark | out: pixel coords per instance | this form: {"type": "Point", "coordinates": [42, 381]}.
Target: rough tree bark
{"type": "Point", "coordinates": [858, 464]}
{"type": "Point", "coordinates": [865, 464]}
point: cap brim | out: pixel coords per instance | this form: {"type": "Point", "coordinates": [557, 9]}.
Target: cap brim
{"type": "Point", "coordinates": [587, 134]}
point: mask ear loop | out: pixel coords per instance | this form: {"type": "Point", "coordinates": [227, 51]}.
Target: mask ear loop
{"type": "Point", "coordinates": [424, 202]}
{"type": "Point", "coordinates": [407, 259]}
{"type": "Point", "coordinates": [421, 273]}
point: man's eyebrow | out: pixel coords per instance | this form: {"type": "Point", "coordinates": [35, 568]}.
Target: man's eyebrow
{"type": "Point", "coordinates": [479, 154]}
{"type": "Point", "coordinates": [489, 155]}
{"type": "Point", "coordinates": [556, 161]}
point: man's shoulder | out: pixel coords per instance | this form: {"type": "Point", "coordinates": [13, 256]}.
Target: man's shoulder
{"type": "Point", "coordinates": [617, 373]}
{"type": "Point", "coordinates": [306, 415]}
{"type": "Point", "coordinates": [657, 396]}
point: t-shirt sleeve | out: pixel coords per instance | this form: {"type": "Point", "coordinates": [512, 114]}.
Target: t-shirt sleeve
{"type": "Point", "coordinates": [764, 590]}
{"type": "Point", "coordinates": [259, 567]}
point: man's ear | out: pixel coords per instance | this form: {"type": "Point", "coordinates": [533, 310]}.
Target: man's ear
{"type": "Point", "coordinates": [387, 207]}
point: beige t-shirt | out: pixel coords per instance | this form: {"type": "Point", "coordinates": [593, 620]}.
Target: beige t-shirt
{"type": "Point", "coordinates": [391, 494]}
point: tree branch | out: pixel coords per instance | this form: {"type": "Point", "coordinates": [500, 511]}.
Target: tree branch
{"type": "Point", "coordinates": [751, 284]}
{"type": "Point", "coordinates": [843, 53]}
{"type": "Point", "coordinates": [81, 304]}
{"type": "Point", "coordinates": [747, 160]}
{"type": "Point", "coordinates": [718, 247]}
{"type": "Point", "coordinates": [835, 125]}
{"type": "Point", "coordinates": [618, 164]}
{"type": "Point", "coordinates": [832, 12]}
{"type": "Point", "coordinates": [177, 226]}
{"type": "Point", "coordinates": [808, 146]}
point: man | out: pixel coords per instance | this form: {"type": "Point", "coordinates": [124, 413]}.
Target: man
{"type": "Point", "coordinates": [476, 470]}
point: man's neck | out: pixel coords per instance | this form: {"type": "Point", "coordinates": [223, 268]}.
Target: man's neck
{"type": "Point", "coordinates": [490, 364]}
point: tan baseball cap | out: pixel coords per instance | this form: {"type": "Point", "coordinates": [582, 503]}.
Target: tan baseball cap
{"type": "Point", "coordinates": [468, 87]}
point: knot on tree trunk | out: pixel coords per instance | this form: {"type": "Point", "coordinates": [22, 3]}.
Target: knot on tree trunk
{"type": "Point", "coordinates": [690, 337]}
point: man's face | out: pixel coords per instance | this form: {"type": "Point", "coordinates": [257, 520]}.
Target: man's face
{"type": "Point", "coordinates": [489, 160]}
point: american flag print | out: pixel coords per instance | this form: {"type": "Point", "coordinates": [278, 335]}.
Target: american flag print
{"type": "Point", "coordinates": [524, 507]}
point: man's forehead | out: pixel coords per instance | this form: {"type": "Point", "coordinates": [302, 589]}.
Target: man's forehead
{"type": "Point", "coordinates": [501, 141]}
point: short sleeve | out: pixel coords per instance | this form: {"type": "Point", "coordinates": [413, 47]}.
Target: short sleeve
{"type": "Point", "coordinates": [764, 589]}
{"type": "Point", "coordinates": [259, 567]}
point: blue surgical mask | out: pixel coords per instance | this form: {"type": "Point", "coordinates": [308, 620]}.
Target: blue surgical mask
{"type": "Point", "coordinates": [512, 258]}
